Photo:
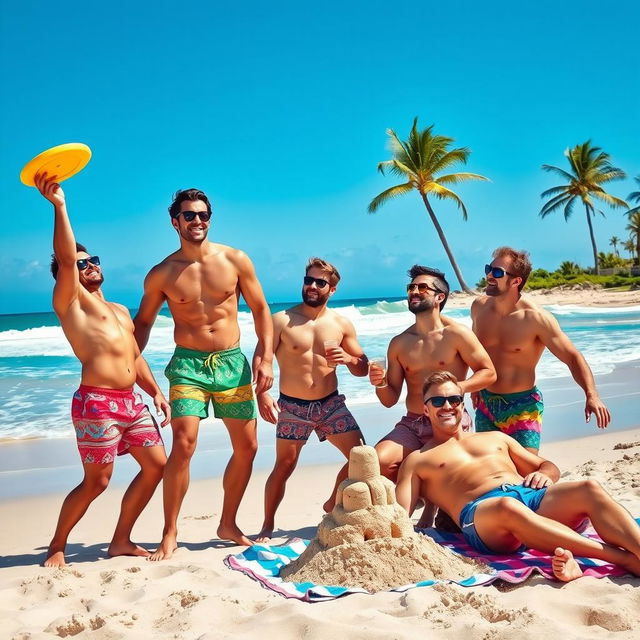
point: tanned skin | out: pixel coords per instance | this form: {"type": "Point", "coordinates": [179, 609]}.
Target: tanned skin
{"type": "Point", "coordinates": [201, 283]}
{"type": "Point", "coordinates": [464, 466]}
{"type": "Point", "coordinates": [101, 336]}
{"type": "Point", "coordinates": [515, 332]}
{"type": "Point", "coordinates": [308, 373]}
{"type": "Point", "coordinates": [433, 343]}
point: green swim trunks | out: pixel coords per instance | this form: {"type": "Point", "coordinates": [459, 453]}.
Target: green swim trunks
{"type": "Point", "coordinates": [224, 377]}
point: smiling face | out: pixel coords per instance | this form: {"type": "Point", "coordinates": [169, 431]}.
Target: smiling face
{"type": "Point", "coordinates": [195, 231]}
{"type": "Point", "coordinates": [445, 418]}
{"type": "Point", "coordinates": [314, 295]}
{"type": "Point", "coordinates": [91, 277]}
{"type": "Point", "coordinates": [501, 286]}
{"type": "Point", "coordinates": [425, 300]}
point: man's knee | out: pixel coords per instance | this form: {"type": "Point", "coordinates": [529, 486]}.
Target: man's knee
{"type": "Point", "coordinates": [508, 509]}
{"type": "Point", "coordinates": [95, 484]}
{"type": "Point", "coordinates": [247, 449]}
{"type": "Point", "coordinates": [184, 445]}
{"type": "Point", "coordinates": [593, 489]}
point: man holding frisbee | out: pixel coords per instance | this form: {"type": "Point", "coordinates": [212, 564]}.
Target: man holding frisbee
{"type": "Point", "coordinates": [108, 416]}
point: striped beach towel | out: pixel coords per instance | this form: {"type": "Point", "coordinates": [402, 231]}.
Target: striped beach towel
{"type": "Point", "coordinates": [263, 563]}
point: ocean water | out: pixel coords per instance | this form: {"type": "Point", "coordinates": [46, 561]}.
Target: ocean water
{"type": "Point", "coordinates": [38, 371]}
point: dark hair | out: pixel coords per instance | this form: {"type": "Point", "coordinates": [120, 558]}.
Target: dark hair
{"type": "Point", "coordinates": [438, 377]}
{"type": "Point", "coordinates": [327, 267]}
{"type": "Point", "coordinates": [187, 194]}
{"type": "Point", "coordinates": [441, 282]}
{"type": "Point", "coordinates": [54, 262]}
{"type": "Point", "coordinates": [520, 263]}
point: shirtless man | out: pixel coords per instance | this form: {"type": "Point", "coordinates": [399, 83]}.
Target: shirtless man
{"type": "Point", "coordinates": [431, 344]}
{"type": "Point", "coordinates": [109, 417]}
{"type": "Point", "coordinates": [515, 332]}
{"type": "Point", "coordinates": [309, 399]}
{"type": "Point", "coordinates": [202, 283]}
{"type": "Point", "coordinates": [504, 496]}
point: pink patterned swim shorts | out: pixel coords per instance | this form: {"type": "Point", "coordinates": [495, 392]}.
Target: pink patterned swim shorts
{"type": "Point", "coordinates": [110, 421]}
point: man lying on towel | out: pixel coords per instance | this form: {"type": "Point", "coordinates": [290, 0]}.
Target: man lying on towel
{"type": "Point", "coordinates": [505, 497]}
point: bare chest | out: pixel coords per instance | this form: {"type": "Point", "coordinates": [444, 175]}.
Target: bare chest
{"type": "Point", "coordinates": [309, 338]}
{"type": "Point", "coordinates": [506, 334]}
{"type": "Point", "coordinates": [427, 355]}
{"type": "Point", "coordinates": [212, 282]}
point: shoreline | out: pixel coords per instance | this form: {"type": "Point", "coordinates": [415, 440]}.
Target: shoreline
{"type": "Point", "coordinates": [51, 465]}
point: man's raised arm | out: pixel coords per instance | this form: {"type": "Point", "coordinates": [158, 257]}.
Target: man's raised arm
{"type": "Point", "coordinates": [67, 286]}
{"type": "Point", "coordinates": [150, 304]}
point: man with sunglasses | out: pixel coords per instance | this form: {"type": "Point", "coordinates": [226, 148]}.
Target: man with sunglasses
{"type": "Point", "coordinates": [202, 283]}
{"type": "Point", "coordinates": [432, 343]}
{"type": "Point", "coordinates": [109, 417]}
{"type": "Point", "coordinates": [506, 498]}
{"type": "Point", "coordinates": [515, 332]}
{"type": "Point", "coordinates": [309, 400]}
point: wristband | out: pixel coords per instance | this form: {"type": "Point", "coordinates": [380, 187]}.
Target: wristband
{"type": "Point", "coordinates": [381, 386]}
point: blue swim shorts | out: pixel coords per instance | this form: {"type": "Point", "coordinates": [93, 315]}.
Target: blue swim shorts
{"type": "Point", "coordinates": [526, 495]}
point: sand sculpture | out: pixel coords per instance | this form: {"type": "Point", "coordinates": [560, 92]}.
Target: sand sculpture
{"type": "Point", "coordinates": [368, 539]}
{"type": "Point", "coordinates": [366, 506]}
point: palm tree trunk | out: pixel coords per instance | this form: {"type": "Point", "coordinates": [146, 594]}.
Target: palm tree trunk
{"type": "Point", "coordinates": [589, 210]}
{"type": "Point", "coordinates": [445, 244]}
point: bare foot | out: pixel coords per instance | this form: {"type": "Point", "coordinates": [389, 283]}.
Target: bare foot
{"type": "Point", "coordinates": [565, 568]}
{"type": "Point", "coordinates": [264, 537]}
{"type": "Point", "coordinates": [233, 533]}
{"type": "Point", "coordinates": [166, 548]}
{"type": "Point", "coordinates": [55, 559]}
{"type": "Point", "coordinates": [127, 548]}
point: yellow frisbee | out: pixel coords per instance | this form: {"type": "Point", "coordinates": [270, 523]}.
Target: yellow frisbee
{"type": "Point", "coordinates": [62, 161]}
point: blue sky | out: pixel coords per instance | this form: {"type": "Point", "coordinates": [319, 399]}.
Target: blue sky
{"type": "Point", "coordinates": [279, 110]}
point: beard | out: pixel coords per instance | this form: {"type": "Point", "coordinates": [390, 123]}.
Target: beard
{"type": "Point", "coordinates": [492, 290]}
{"type": "Point", "coordinates": [314, 302]}
{"type": "Point", "coordinates": [427, 304]}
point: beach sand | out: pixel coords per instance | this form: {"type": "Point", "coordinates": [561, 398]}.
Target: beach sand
{"type": "Point", "coordinates": [193, 595]}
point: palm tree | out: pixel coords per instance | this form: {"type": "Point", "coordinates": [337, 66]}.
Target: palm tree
{"type": "Point", "coordinates": [590, 168]}
{"type": "Point", "coordinates": [614, 241]}
{"type": "Point", "coordinates": [418, 160]}
{"type": "Point", "coordinates": [568, 268]}
{"type": "Point", "coordinates": [630, 247]}
{"type": "Point", "coordinates": [634, 197]}
{"type": "Point", "coordinates": [634, 230]}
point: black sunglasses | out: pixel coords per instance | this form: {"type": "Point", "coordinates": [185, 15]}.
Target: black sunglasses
{"type": "Point", "coordinates": [438, 401]}
{"type": "Point", "coordinates": [496, 272]}
{"type": "Point", "coordinates": [190, 215]}
{"type": "Point", "coordinates": [320, 283]}
{"type": "Point", "coordinates": [422, 287]}
{"type": "Point", "coordinates": [83, 263]}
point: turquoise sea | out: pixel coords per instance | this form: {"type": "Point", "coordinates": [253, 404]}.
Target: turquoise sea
{"type": "Point", "coordinates": [38, 371]}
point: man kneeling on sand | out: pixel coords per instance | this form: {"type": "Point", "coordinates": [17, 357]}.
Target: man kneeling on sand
{"type": "Point", "coordinates": [505, 497]}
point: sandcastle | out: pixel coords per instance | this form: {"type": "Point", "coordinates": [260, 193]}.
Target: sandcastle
{"type": "Point", "coordinates": [368, 539]}
{"type": "Point", "coordinates": [366, 506]}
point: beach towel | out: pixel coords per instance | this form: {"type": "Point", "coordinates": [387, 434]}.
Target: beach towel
{"type": "Point", "coordinates": [263, 563]}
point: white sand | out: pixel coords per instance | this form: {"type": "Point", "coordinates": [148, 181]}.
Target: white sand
{"type": "Point", "coordinates": [193, 595]}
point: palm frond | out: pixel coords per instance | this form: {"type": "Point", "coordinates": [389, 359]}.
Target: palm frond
{"type": "Point", "coordinates": [612, 201]}
{"type": "Point", "coordinates": [388, 194]}
{"type": "Point", "coordinates": [561, 172]}
{"type": "Point", "coordinates": [555, 203]}
{"type": "Point", "coordinates": [568, 208]}
{"type": "Point", "coordinates": [457, 178]}
{"type": "Point", "coordinates": [553, 191]}
{"type": "Point", "coordinates": [446, 194]}
{"type": "Point", "coordinates": [448, 159]}
{"type": "Point", "coordinates": [611, 173]}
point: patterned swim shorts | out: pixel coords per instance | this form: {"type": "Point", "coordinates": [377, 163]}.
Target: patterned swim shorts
{"type": "Point", "coordinates": [414, 430]}
{"type": "Point", "coordinates": [328, 416]}
{"type": "Point", "coordinates": [110, 421]}
{"type": "Point", "coordinates": [519, 415]}
{"type": "Point", "coordinates": [224, 377]}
